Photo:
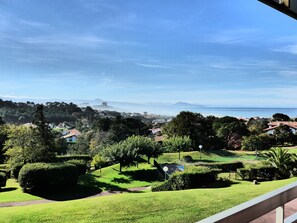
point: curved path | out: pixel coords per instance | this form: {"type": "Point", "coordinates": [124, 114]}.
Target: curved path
{"type": "Point", "coordinates": [44, 201]}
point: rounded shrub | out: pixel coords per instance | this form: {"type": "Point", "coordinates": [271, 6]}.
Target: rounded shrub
{"type": "Point", "coordinates": [42, 177]}
{"type": "Point", "coordinates": [193, 177]}
{"type": "Point", "coordinates": [2, 179]}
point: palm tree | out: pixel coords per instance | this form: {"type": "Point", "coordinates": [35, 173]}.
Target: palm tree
{"type": "Point", "coordinates": [282, 160]}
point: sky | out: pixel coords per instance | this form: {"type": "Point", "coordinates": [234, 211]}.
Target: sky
{"type": "Point", "coordinates": [219, 53]}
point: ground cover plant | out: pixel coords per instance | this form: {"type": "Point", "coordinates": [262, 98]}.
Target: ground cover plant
{"type": "Point", "coordinates": [172, 206]}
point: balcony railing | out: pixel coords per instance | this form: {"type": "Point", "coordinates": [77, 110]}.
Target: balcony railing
{"type": "Point", "coordinates": [258, 207]}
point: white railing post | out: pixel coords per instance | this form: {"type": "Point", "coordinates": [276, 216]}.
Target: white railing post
{"type": "Point", "coordinates": [280, 214]}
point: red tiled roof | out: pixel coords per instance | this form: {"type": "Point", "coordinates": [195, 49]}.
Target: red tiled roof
{"type": "Point", "coordinates": [72, 132]}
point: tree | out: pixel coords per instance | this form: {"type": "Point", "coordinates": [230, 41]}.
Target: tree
{"type": "Point", "coordinates": [282, 160]}
{"type": "Point", "coordinates": [256, 142]}
{"type": "Point", "coordinates": [256, 126]}
{"type": "Point", "coordinates": [19, 144]}
{"type": "Point", "coordinates": [283, 134]}
{"type": "Point", "coordinates": [43, 148]}
{"type": "Point", "coordinates": [230, 130]}
{"type": "Point", "coordinates": [120, 153]}
{"type": "Point", "coordinates": [3, 138]}
{"type": "Point", "coordinates": [280, 117]}
{"type": "Point", "coordinates": [194, 125]}
{"type": "Point", "coordinates": [178, 144]}
{"type": "Point", "coordinates": [145, 146]}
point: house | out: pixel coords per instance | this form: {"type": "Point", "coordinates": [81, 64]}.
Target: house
{"type": "Point", "coordinates": [71, 135]}
{"type": "Point", "coordinates": [274, 125]}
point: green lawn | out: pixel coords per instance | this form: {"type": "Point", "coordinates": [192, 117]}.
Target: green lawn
{"type": "Point", "coordinates": [210, 156]}
{"type": "Point", "coordinates": [13, 192]}
{"type": "Point", "coordinates": [111, 179]}
{"type": "Point", "coordinates": [93, 183]}
{"type": "Point", "coordinates": [176, 206]}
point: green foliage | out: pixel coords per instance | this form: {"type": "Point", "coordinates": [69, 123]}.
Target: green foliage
{"type": "Point", "coordinates": [225, 166]}
{"type": "Point", "coordinates": [282, 160]}
{"type": "Point", "coordinates": [260, 173]}
{"type": "Point", "coordinates": [177, 144]}
{"type": "Point", "coordinates": [280, 117]}
{"type": "Point", "coordinates": [256, 142]}
{"type": "Point", "coordinates": [43, 177]}
{"type": "Point", "coordinates": [230, 130]}
{"type": "Point", "coordinates": [81, 165]}
{"type": "Point", "coordinates": [144, 146]}
{"type": "Point", "coordinates": [256, 126]}
{"type": "Point", "coordinates": [283, 134]}
{"type": "Point", "coordinates": [72, 157]}
{"type": "Point", "coordinates": [2, 180]}
{"type": "Point", "coordinates": [99, 162]}
{"type": "Point", "coordinates": [3, 138]}
{"type": "Point", "coordinates": [194, 125]}
{"type": "Point", "coordinates": [121, 153]}
{"type": "Point", "coordinates": [192, 177]}
{"type": "Point", "coordinates": [43, 147]}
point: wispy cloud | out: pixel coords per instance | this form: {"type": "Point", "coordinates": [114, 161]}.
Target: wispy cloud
{"type": "Point", "coordinates": [235, 36]}
{"type": "Point", "coordinates": [287, 49]}
{"type": "Point", "coordinates": [152, 65]}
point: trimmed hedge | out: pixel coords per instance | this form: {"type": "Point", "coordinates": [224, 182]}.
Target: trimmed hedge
{"type": "Point", "coordinates": [42, 177]}
{"type": "Point", "coordinates": [2, 179]}
{"type": "Point", "coordinates": [81, 165]}
{"type": "Point", "coordinates": [225, 167]}
{"type": "Point", "coordinates": [194, 177]}
{"type": "Point", "coordinates": [257, 173]}
{"type": "Point", "coordinates": [73, 157]}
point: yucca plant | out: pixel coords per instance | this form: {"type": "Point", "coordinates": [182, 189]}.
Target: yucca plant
{"type": "Point", "coordinates": [282, 160]}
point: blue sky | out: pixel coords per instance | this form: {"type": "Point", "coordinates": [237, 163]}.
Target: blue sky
{"type": "Point", "coordinates": [233, 53]}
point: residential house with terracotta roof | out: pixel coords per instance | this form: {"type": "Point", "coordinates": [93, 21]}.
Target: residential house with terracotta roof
{"type": "Point", "coordinates": [274, 125]}
{"type": "Point", "coordinates": [71, 135]}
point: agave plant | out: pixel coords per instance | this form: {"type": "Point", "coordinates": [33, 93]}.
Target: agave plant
{"type": "Point", "coordinates": [282, 160]}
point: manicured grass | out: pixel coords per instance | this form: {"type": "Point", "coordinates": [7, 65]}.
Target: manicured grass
{"type": "Point", "coordinates": [175, 206]}
{"type": "Point", "coordinates": [93, 183]}
{"type": "Point", "coordinates": [111, 179]}
{"type": "Point", "coordinates": [13, 192]}
{"type": "Point", "coordinates": [210, 156]}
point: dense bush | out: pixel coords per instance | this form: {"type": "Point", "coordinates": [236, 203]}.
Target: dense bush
{"type": "Point", "coordinates": [261, 173]}
{"type": "Point", "coordinates": [2, 179]}
{"type": "Point", "coordinates": [193, 177]}
{"type": "Point", "coordinates": [43, 177]}
{"type": "Point", "coordinates": [81, 165]}
{"type": "Point", "coordinates": [224, 167]}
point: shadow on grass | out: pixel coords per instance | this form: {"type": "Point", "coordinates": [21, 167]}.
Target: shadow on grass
{"type": "Point", "coordinates": [121, 180]}
{"type": "Point", "coordinates": [221, 183]}
{"type": "Point", "coordinates": [150, 175]}
{"type": "Point", "coordinates": [88, 186]}
{"type": "Point", "coordinates": [7, 189]}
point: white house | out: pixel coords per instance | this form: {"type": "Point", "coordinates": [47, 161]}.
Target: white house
{"type": "Point", "coordinates": [273, 125]}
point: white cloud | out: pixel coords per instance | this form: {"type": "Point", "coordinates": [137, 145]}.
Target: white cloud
{"type": "Point", "coordinates": [288, 49]}
{"type": "Point", "coordinates": [235, 36]}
